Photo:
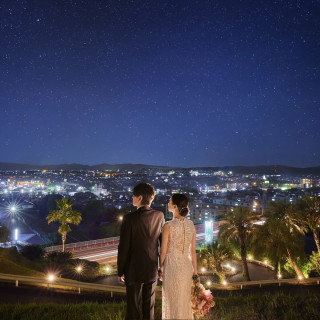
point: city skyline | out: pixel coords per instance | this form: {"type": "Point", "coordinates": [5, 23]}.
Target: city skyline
{"type": "Point", "coordinates": [167, 84]}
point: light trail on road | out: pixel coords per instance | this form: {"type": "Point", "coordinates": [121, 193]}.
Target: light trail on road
{"type": "Point", "coordinates": [105, 254]}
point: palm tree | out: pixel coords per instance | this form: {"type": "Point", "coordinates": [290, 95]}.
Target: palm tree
{"type": "Point", "coordinates": [273, 240]}
{"type": "Point", "coordinates": [213, 255]}
{"type": "Point", "coordinates": [65, 215]}
{"type": "Point", "coordinates": [282, 219]}
{"type": "Point", "coordinates": [308, 209]}
{"type": "Point", "coordinates": [239, 226]}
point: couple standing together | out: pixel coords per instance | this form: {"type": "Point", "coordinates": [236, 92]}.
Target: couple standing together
{"type": "Point", "coordinates": [144, 234]}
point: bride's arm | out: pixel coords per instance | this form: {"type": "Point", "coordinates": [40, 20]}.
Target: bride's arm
{"type": "Point", "coordinates": [193, 253]}
{"type": "Point", "coordinates": [164, 247]}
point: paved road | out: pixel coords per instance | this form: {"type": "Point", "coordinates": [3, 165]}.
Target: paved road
{"type": "Point", "coordinates": [109, 254]}
{"type": "Point", "coordinates": [256, 273]}
{"type": "Point", "coordinates": [101, 254]}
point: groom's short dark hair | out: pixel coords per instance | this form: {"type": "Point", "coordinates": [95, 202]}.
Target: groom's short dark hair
{"type": "Point", "coordinates": [146, 190]}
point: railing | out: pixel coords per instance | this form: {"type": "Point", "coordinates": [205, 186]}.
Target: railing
{"type": "Point", "coordinates": [122, 290]}
{"type": "Point", "coordinates": [64, 283]}
{"type": "Point", "coordinates": [260, 283]}
{"type": "Point", "coordinates": [84, 244]}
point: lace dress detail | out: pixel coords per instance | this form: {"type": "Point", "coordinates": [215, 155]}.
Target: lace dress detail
{"type": "Point", "coordinates": [177, 272]}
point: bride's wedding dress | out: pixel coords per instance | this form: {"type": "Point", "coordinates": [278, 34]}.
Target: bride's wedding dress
{"type": "Point", "coordinates": [177, 271]}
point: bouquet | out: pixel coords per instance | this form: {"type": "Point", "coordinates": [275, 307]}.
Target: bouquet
{"type": "Point", "coordinates": [201, 299]}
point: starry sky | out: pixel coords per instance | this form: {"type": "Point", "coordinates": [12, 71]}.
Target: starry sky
{"type": "Point", "coordinates": [178, 83]}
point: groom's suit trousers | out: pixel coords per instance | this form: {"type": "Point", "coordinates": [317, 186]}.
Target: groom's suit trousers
{"type": "Point", "coordinates": [137, 293]}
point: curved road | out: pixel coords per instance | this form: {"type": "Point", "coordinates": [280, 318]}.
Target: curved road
{"type": "Point", "coordinates": [256, 273]}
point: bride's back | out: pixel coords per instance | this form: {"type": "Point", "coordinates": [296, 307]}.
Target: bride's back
{"type": "Point", "coordinates": [181, 232]}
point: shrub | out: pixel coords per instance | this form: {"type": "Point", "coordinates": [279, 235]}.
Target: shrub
{"type": "Point", "coordinates": [59, 257]}
{"type": "Point", "coordinates": [32, 252]}
{"type": "Point", "coordinates": [314, 264]}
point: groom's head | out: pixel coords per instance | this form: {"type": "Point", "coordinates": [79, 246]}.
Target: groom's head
{"type": "Point", "coordinates": [143, 194]}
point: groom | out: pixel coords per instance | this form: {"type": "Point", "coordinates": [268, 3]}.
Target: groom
{"type": "Point", "coordinates": [138, 252]}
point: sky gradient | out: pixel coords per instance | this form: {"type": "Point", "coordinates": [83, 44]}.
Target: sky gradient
{"type": "Point", "coordinates": [179, 83]}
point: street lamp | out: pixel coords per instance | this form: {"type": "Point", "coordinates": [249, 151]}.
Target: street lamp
{"type": "Point", "coordinates": [79, 269]}
{"type": "Point", "coordinates": [16, 232]}
{"type": "Point", "coordinates": [120, 218]}
{"type": "Point", "coordinates": [13, 209]}
{"type": "Point", "coordinates": [51, 277]}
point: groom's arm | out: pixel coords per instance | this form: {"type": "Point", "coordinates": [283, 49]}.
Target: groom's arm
{"type": "Point", "coordinates": [124, 246]}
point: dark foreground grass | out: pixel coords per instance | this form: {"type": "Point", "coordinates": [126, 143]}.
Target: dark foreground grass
{"type": "Point", "coordinates": [267, 307]}
{"type": "Point", "coordinates": [255, 307]}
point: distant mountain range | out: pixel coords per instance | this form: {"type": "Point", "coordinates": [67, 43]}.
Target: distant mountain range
{"type": "Point", "coordinates": [76, 166]}
{"type": "Point", "coordinates": [273, 169]}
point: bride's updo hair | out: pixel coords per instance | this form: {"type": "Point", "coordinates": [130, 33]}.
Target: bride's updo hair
{"type": "Point", "coordinates": [182, 202]}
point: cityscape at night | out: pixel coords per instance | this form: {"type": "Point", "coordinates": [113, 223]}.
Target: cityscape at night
{"type": "Point", "coordinates": [159, 157]}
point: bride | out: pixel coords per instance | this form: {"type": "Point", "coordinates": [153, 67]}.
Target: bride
{"type": "Point", "coordinates": [178, 261]}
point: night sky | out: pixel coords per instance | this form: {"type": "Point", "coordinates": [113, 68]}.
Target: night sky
{"type": "Point", "coordinates": [179, 83]}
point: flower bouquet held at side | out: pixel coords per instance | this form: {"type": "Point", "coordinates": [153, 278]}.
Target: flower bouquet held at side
{"type": "Point", "coordinates": [201, 299]}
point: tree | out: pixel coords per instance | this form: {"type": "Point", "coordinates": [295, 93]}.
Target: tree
{"type": "Point", "coordinates": [213, 255]}
{"type": "Point", "coordinates": [314, 264]}
{"type": "Point", "coordinates": [283, 219]}
{"type": "Point", "coordinates": [110, 230]}
{"type": "Point", "coordinates": [308, 210]}
{"type": "Point", "coordinates": [4, 233]}
{"type": "Point", "coordinates": [48, 203]}
{"type": "Point", "coordinates": [32, 252]}
{"type": "Point", "coordinates": [65, 215]}
{"type": "Point", "coordinates": [272, 240]}
{"type": "Point", "coordinates": [239, 226]}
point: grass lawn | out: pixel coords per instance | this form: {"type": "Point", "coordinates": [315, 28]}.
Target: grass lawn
{"type": "Point", "coordinates": [12, 262]}
{"type": "Point", "coordinates": [255, 307]}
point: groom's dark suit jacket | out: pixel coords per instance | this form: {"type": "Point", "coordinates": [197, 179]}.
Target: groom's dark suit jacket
{"type": "Point", "coordinates": [139, 246]}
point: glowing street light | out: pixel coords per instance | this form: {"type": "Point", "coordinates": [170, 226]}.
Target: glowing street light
{"type": "Point", "coordinates": [107, 269]}
{"type": "Point", "coordinates": [51, 277]}
{"type": "Point", "coordinates": [208, 283]}
{"type": "Point", "coordinates": [16, 232]}
{"type": "Point", "coordinates": [224, 282]}
{"type": "Point", "coordinates": [120, 218]}
{"type": "Point", "coordinates": [79, 269]}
